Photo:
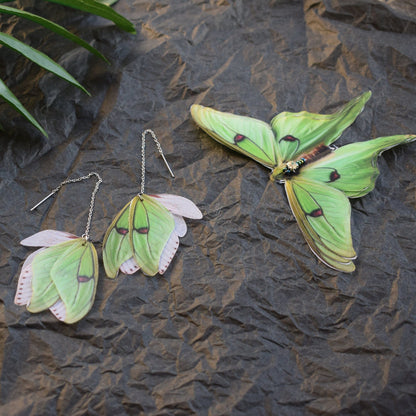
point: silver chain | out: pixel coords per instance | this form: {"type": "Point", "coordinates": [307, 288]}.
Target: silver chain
{"type": "Point", "coordinates": [86, 234]}
{"type": "Point", "coordinates": [159, 148]}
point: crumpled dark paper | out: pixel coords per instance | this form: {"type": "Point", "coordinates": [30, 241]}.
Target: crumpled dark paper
{"type": "Point", "coordinates": [245, 321]}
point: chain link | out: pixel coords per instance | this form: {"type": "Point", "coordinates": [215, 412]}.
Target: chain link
{"type": "Point", "coordinates": [86, 234]}
{"type": "Point", "coordinates": [159, 148]}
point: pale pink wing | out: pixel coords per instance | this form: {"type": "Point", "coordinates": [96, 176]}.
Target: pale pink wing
{"type": "Point", "coordinates": [47, 238]}
{"type": "Point", "coordinates": [179, 205]}
{"type": "Point", "coordinates": [168, 252]}
{"type": "Point", "coordinates": [24, 285]}
{"type": "Point", "coordinates": [130, 266]}
{"type": "Point", "coordinates": [180, 225]}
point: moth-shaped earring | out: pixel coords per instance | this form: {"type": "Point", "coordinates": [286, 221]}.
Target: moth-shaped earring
{"type": "Point", "coordinates": [145, 233]}
{"type": "Point", "coordinates": [63, 274]}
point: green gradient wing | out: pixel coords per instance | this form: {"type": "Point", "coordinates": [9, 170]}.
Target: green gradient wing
{"type": "Point", "coordinates": [297, 133]}
{"type": "Point", "coordinates": [151, 226]}
{"type": "Point", "coordinates": [353, 168]}
{"type": "Point", "coordinates": [253, 138]}
{"type": "Point", "coordinates": [44, 292]}
{"type": "Point", "coordinates": [323, 215]}
{"type": "Point", "coordinates": [117, 246]}
{"type": "Point", "coordinates": [75, 275]}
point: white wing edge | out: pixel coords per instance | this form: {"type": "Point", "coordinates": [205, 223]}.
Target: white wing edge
{"type": "Point", "coordinates": [130, 266]}
{"type": "Point", "coordinates": [47, 238]}
{"type": "Point", "coordinates": [168, 252]}
{"type": "Point", "coordinates": [59, 310]}
{"type": "Point", "coordinates": [180, 225]}
{"type": "Point", "coordinates": [24, 284]}
{"type": "Point", "coordinates": [179, 205]}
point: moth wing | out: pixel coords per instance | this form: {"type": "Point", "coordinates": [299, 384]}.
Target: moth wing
{"type": "Point", "coordinates": [44, 291]}
{"type": "Point", "coordinates": [130, 266]}
{"type": "Point", "coordinates": [168, 252]}
{"type": "Point", "coordinates": [180, 225]}
{"type": "Point", "coordinates": [172, 244]}
{"type": "Point", "coordinates": [179, 205]}
{"type": "Point", "coordinates": [353, 168]}
{"type": "Point", "coordinates": [117, 247]}
{"type": "Point", "coordinates": [323, 215]}
{"type": "Point", "coordinates": [297, 133]}
{"type": "Point", "coordinates": [47, 238]}
{"type": "Point", "coordinates": [254, 138]}
{"type": "Point", "coordinates": [151, 226]}
{"type": "Point", "coordinates": [24, 284]}
{"type": "Point", "coordinates": [75, 275]}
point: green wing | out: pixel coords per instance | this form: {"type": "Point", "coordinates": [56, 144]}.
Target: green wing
{"type": "Point", "coordinates": [290, 134]}
{"type": "Point", "coordinates": [117, 246]}
{"type": "Point", "coordinates": [353, 168]}
{"type": "Point", "coordinates": [150, 225]}
{"type": "Point", "coordinates": [297, 133]}
{"type": "Point", "coordinates": [253, 138]}
{"type": "Point", "coordinates": [323, 215]}
{"type": "Point", "coordinates": [44, 292]}
{"type": "Point", "coordinates": [75, 275]}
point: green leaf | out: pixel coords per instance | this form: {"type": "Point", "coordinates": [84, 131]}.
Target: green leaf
{"type": "Point", "coordinates": [8, 96]}
{"type": "Point", "coordinates": [53, 27]}
{"type": "Point", "coordinates": [99, 9]}
{"type": "Point", "coordinates": [39, 58]}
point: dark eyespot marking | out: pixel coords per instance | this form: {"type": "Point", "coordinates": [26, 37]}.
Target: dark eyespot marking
{"type": "Point", "coordinates": [143, 230]}
{"type": "Point", "coordinates": [289, 138]}
{"type": "Point", "coordinates": [122, 231]}
{"type": "Point", "coordinates": [84, 279]}
{"type": "Point", "coordinates": [316, 213]}
{"type": "Point", "coordinates": [238, 138]}
{"type": "Point", "coordinates": [334, 176]}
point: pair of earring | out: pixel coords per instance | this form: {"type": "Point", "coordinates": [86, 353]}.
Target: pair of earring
{"type": "Point", "coordinates": [62, 275]}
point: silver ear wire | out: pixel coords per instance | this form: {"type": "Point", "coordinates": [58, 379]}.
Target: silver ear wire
{"type": "Point", "coordinates": [159, 148]}
{"type": "Point", "coordinates": [86, 234]}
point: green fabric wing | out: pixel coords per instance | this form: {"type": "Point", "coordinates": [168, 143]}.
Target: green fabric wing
{"type": "Point", "coordinates": [44, 292]}
{"type": "Point", "coordinates": [75, 275]}
{"type": "Point", "coordinates": [151, 225]}
{"type": "Point", "coordinates": [323, 215]}
{"type": "Point", "coordinates": [254, 138]}
{"type": "Point", "coordinates": [353, 168]}
{"type": "Point", "coordinates": [117, 246]}
{"type": "Point", "coordinates": [297, 133]}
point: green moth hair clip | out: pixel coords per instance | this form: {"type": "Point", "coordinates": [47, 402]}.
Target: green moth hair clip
{"type": "Point", "coordinates": [145, 233]}
{"type": "Point", "coordinates": [318, 178]}
{"type": "Point", "coordinates": [62, 275]}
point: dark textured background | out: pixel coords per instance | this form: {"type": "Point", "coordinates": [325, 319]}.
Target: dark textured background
{"type": "Point", "coordinates": [245, 321]}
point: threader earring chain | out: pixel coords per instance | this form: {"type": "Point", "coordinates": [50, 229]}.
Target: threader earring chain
{"type": "Point", "coordinates": [86, 234]}
{"type": "Point", "coordinates": [159, 148]}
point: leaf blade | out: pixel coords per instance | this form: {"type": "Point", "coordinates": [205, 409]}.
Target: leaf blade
{"type": "Point", "coordinates": [99, 9]}
{"type": "Point", "coordinates": [10, 98]}
{"type": "Point", "coordinates": [48, 24]}
{"type": "Point", "coordinates": [39, 58]}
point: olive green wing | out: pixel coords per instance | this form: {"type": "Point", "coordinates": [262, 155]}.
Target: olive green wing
{"type": "Point", "coordinates": [117, 247]}
{"type": "Point", "coordinates": [44, 292]}
{"type": "Point", "coordinates": [323, 215]}
{"type": "Point", "coordinates": [151, 226]}
{"type": "Point", "coordinates": [75, 275]}
{"type": "Point", "coordinates": [298, 133]}
{"type": "Point", "coordinates": [353, 168]}
{"type": "Point", "coordinates": [249, 136]}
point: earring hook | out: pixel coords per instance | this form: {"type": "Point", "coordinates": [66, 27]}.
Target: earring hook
{"type": "Point", "coordinates": [86, 234]}
{"type": "Point", "coordinates": [159, 148]}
